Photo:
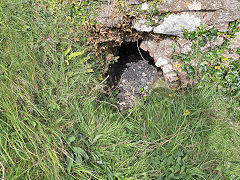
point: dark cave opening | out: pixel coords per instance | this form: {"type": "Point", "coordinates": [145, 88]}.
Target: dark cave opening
{"type": "Point", "coordinates": [128, 52]}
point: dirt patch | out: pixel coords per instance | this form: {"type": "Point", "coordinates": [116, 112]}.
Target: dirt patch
{"type": "Point", "coordinates": [133, 75]}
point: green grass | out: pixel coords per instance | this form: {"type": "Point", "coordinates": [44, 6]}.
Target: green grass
{"type": "Point", "coordinates": [54, 125]}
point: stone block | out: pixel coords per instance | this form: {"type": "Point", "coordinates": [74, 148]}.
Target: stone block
{"type": "Point", "coordinates": [141, 25]}
{"type": "Point", "coordinates": [164, 49]}
{"type": "Point", "coordinates": [171, 76]}
{"type": "Point", "coordinates": [174, 24]}
{"type": "Point", "coordinates": [235, 42]}
{"type": "Point", "coordinates": [162, 61]}
{"type": "Point", "coordinates": [167, 68]}
{"type": "Point", "coordinates": [185, 45]}
{"type": "Point", "coordinates": [189, 5]}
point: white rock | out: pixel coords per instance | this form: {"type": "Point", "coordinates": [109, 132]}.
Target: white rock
{"type": "Point", "coordinates": [161, 62]}
{"type": "Point", "coordinates": [144, 6]}
{"type": "Point", "coordinates": [235, 42]}
{"type": "Point", "coordinates": [167, 68]}
{"type": "Point", "coordinates": [185, 45]}
{"type": "Point", "coordinates": [141, 25]}
{"type": "Point", "coordinates": [171, 77]}
{"type": "Point", "coordinates": [174, 24]}
{"type": "Point", "coordinates": [195, 6]}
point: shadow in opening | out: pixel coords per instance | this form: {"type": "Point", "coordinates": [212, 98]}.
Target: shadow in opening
{"type": "Point", "coordinates": [127, 52]}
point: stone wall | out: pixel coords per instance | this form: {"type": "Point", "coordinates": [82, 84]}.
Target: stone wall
{"type": "Point", "coordinates": [187, 14]}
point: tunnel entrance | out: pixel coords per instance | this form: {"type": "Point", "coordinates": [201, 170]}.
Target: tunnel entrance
{"type": "Point", "coordinates": [133, 74]}
{"type": "Point", "coordinates": [128, 53]}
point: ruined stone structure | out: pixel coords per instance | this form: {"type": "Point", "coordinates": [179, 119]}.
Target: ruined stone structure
{"type": "Point", "coordinates": [189, 14]}
{"type": "Point", "coordinates": [159, 39]}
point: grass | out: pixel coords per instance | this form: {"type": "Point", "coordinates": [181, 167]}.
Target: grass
{"type": "Point", "coordinates": [54, 125]}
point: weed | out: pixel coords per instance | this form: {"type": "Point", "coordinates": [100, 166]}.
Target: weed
{"type": "Point", "coordinates": [212, 66]}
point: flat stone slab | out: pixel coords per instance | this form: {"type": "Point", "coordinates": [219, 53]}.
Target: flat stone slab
{"type": "Point", "coordinates": [174, 24]}
{"type": "Point", "coordinates": [141, 25]}
{"type": "Point", "coordinates": [189, 14]}
{"type": "Point", "coordinates": [189, 5]}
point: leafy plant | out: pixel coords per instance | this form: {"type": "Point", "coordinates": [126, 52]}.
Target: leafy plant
{"type": "Point", "coordinates": [212, 66]}
{"type": "Point", "coordinates": [176, 166]}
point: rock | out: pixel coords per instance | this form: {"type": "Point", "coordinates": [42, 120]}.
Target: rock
{"type": "Point", "coordinates": [136, 81]}
{"type": "Point", "coordinates": [195, 6]}
{"type": "Point", "coordinates": [171, 77]}
{"type": "Point", "coordinates": [149, 45]}
{"type": "Point", "coordinates": [229, 12]}
{"type": "Point", "coordinates": [145, 6]}
{"type": "Point", "coordinates": [222, 27]}
{"type": "Point", "coordinates": [187, 13]}
{"type": "Point", "coordinates": [191, 14]}
{"type": "Point", "coordinates": [109, 15]}
{"type": "Point", "coordinates": [167, 68]}
{"type": "Point", "coordinates": [188, 5]}
{"type": "Point", "coordinates": [185, 45]}
{"type": "Point", "coordinates": [160, 83]}
{"type": "Point", "coordinates": [174, 24]}
{"type": "Point", "coordinates": [164, 49]}
{"type": "Point", "coordinates": [133, 2]}
{"type": "Point", "coordinates": [217, 42]}
{"type": "Point", "coordinates": [230, 54]}
{"type": "Point", "coordinates": [182, 75]}
{"type": "Point", "coordinates": [235, 42]}
{"type": "Point", "coordinates": [161, 52]}
{"type": "Point", "coordinates": [141, 25]}
{"type": "Point", "coordinates": [220, 18]}
{"type": "Point", "coordinates": [161, 62]}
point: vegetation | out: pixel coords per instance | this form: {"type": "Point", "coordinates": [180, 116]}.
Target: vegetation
{"type": "Point", "coordinates": [214, 65]}
{"type": "Point", "coordinates": [57, 123]}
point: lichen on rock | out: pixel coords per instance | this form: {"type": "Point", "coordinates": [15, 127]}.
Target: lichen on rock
{"type": "Point", "coordinates": [174, 24]}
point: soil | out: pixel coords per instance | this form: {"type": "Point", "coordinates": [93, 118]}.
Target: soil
{"type": "Point", "coordinates": [135, 83]}
{"type": "Point", "coordinates": [133, 75]}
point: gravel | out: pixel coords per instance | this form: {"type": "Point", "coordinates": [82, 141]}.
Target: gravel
{"type": "Point", "coordinates": [136, 81]}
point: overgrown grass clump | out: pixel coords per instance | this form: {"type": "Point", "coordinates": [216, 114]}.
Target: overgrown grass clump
{"type": "Point", "coordinates": [54, 125]}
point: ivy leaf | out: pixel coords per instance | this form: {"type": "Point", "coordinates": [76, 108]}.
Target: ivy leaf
{"type": "Point", "coordinates": [238, 93]}
{"type": "Point", "coordinates": [190, 70]}
{"type": "Point", "coordinates": [202, 43]}
{"type": "Point", "coordinates": [230, 77]}
{"type": "Point", "coordinates": [238, 51]}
